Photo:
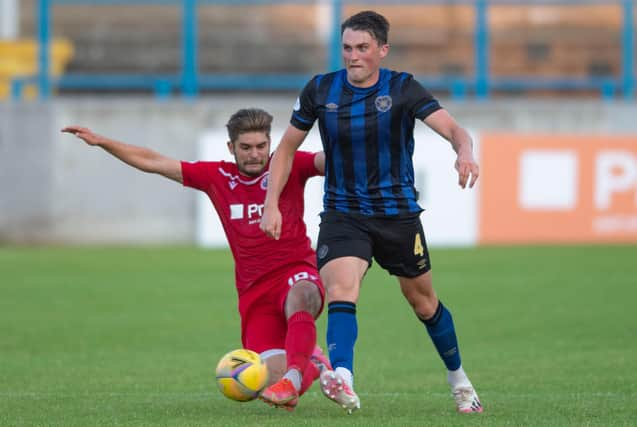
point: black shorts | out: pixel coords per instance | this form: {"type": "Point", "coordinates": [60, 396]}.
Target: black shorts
{"type": "Point", "coordinates": [396, 243]}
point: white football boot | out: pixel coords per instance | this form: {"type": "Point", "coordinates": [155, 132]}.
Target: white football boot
{"type": "Point", "coordinates": [337, 390]}
{"type": "Point", "coordinates": [467, 400]}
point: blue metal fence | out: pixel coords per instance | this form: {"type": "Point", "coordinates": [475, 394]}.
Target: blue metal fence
{"type": "Point", "coordinates": [189, 82]}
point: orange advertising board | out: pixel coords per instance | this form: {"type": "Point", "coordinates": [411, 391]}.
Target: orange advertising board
{"type": "Point", "coordinates": [557, 189]}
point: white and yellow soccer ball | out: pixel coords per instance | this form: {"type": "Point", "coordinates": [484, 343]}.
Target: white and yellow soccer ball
{"type": "Point", "coordinates": [241, 375]}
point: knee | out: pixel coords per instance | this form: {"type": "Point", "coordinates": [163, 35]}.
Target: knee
{"type": "Point", "coordinates": [304, 296]}
{"type": "Point", "coordinates": [343, 290]}
{"type": "Point", "coordinates": [425, 307]}
{"type": "Point", "coordinates": [424, 304]}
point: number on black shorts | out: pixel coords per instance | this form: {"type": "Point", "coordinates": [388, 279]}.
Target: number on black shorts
{"type": "Point", "coordinates": [418, 248]}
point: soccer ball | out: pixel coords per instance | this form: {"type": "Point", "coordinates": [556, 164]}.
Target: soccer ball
{"type": "Point", "coordinates": [241, 375]}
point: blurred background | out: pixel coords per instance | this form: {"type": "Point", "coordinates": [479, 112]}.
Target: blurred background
{"type": "Point", "coordinates": [546, 88]}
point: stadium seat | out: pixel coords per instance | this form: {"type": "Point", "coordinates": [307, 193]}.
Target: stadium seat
{"type": "Point", "coordinates": [19, 59]}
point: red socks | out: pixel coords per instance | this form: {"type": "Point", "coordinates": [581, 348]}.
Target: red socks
{"type": "Point", "coordinates": [299, 345]}
{"type": "Point", "coordinates": [310, 374]}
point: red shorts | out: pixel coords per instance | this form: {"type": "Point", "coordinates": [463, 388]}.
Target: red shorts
{"type": "Point", "coordinates": [262, 307]}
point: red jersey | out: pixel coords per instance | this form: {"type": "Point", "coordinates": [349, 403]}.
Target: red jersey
{"type": "Point", "coordinates": [238, 200]}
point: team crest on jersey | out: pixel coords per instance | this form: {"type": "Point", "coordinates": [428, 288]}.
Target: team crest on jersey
{"type": "Point", "coordinates": [383, 103]}
{"type": "Point", "coordinates": [232, 184]}
{"type": "Point", "coordinates": [264, 182]}
{"type": "Point", "coordinates": [331, 107]}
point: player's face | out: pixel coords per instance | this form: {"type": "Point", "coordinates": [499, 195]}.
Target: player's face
{"type": "Point", "coordinates": [362, 56]}
{"type": "Point", "coordinates": [251, 151]}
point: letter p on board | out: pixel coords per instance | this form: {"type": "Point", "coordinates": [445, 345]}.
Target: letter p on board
{"type": "Point", "coordinates": [615, 172]}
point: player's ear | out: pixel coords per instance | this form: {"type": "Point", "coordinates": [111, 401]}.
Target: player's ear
{"type": "Point", "coordinates": [230, 147]}
{"type": "Point", "coordinates": [384, 50]}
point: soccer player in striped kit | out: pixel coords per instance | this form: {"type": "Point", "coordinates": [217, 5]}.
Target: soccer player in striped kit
{"type": "Point", "coordinates": [366, 117]}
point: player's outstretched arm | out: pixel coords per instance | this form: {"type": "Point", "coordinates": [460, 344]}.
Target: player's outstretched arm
{"type": "Point", "coordinates": [141, 158]}
{"type": "Point", "coordinates": [446, 126]}
{"type": "Point", "coordinates": [280, 167]}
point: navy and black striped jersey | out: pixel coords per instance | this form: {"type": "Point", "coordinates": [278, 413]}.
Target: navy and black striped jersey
{"type": "Point", "coordinates": [368, 140]}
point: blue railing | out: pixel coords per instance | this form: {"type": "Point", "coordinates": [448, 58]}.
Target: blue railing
{"type": "Point", "coordinates": [189, 82]}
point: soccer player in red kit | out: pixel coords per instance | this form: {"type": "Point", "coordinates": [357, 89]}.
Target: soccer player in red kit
{"type": "Point", "coordinates": [280, 292]}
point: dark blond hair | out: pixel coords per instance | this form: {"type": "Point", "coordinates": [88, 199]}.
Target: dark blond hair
{"type": "Point", "coordinates": [249, 120]}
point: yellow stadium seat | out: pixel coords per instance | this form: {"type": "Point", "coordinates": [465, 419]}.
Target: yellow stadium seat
{"type": "Point", "coordinates": [19, 59]}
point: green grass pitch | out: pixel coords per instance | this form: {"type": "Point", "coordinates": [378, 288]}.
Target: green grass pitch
{"type": "Point", "coordinates": [131, 336]}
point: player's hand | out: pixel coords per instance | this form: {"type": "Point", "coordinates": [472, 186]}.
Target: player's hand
{"type": "Point", "coordinates": [271, 222]}
{"type": "Point", "coordinates": [468, 170]}
{"type": "Point", "coordinates": [84, 134]}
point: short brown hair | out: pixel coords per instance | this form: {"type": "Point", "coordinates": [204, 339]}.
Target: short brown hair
{"type": "Point", "coordinates": [372, 22]}
{"type": "Point", "coordinates": [249, 120]}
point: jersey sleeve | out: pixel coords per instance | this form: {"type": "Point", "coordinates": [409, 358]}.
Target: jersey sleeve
{"type": "Point", "coordinates": [198, 175]}
{"type": "Point", "coordinates": [420, 102]}
{"type": "Point", "coordinates": [304, 114]}
{"type": "Point", "coordinates": [304, 163]}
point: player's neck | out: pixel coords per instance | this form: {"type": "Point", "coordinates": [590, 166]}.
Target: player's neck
{"type": "Point", "coordinates": [367, 83]}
